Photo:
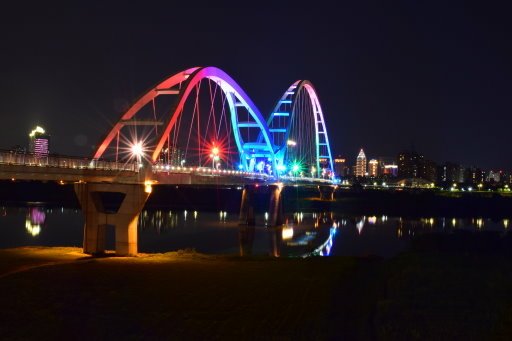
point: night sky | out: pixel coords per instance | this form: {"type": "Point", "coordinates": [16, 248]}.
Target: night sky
{"type": "Point", "coordinates": [390, 75]}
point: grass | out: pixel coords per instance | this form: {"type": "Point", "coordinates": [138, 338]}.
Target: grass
{"type": "Point", "coordinates": [56, 293]}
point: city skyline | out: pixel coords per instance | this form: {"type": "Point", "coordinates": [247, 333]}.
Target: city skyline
{"type": "Point", "coordinates": [432, 76]}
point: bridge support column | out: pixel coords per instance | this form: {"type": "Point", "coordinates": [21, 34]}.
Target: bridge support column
{"type": "Point", "coordinates": [247, 207]}
{"type": "Point", "coordinates": [111, 204]}
{"type": "Point", "coordinates": [276, 216]}
{"type": "Point", "coordinates": [327, 192]}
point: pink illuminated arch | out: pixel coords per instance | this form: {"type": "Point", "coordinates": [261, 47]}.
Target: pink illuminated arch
{"type": "Point", "coordinates": [181, 84]}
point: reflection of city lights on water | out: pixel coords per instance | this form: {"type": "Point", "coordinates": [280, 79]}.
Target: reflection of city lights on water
{"type": "Point", "coordinates": [372, 220]}
{"type": "Point", "coordinates": [35, 218]}
{"type": "Point", "coordinates": [360, 225]}
{"type": "Point", "coordinates": [287, 233]}
{"type": "Point", "coordinates": [299, 216]}
{"type": "Point", "coordinates": [33, 229]}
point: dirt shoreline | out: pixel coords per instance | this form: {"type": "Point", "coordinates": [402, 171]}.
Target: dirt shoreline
{"type": "Point", "coordinates": [58, 292]}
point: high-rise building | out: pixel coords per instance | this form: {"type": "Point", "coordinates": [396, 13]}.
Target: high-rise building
{"type": "Point", "coordinates": [428, 170]}
{"type": "Point", "coordinates": [450, 172]}
{"type": "Point", "coordinates": [39, 143]}
{"type": "Point", "coordinates": [390, 170]}
{"type": "Point", "coordinates": [373, 168]}
{"type": "Point", "coordinates": [387, 167]}
{"type": "Point", "coordinates": [340, 166]}
{"type": "Point", "coordinates": [414, 165]}
{"type": "Point", "coordinates": [360, 164]}
{"type": "Point", "coordinates": [474, 175]}
{"type": "Point", "coordinates": [494, 176]}
{"type": "Point", "coordinates": [171, 156]}
{"type": "Point", "coordinates": [409, 164]}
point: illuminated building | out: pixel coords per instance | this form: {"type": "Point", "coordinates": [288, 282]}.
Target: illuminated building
{"type": "Point", "coordinates": [474, 175]}
{"type": "Point", "coordinates": [409, 164]}
{"type": "Point", "coordinates": [450, 172]}
{"type": "Point", "coordinates": [390, 170]}
{"type": "Point", "coordinates": [494, 176]}
{"type": "Point", "coordinates": [373, 168]}
{"type": "Point", "coordinates": [340, 166]}
{"type": "Point", "coordinates": [361, 164]}
{"type": "Point", "coordinates": [39, 143]}
{"type": "Point", "coordinates": [171, 156]}
{"type": "Point", "coordinates": [428, 170]}
{"type": "Point", "coordinates": [414, 165]}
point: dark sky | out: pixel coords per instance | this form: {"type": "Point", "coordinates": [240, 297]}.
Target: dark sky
{"type": "Point", "coordinates": [390, 75]}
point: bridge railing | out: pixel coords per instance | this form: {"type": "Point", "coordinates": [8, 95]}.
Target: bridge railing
{"type": "Point", "coordinates": [29, 159]}
{"type": "Point", "coordinates": [208, 171]}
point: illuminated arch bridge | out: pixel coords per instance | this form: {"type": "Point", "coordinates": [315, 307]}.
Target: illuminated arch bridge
{"type": "Point", "coordinates": [202, 118]}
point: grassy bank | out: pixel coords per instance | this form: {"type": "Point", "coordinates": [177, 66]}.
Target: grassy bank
{"type": "Point", "coordinates": [60, 293]}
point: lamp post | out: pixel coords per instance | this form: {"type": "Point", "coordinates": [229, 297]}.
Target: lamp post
{"type": "Point", "coordinates": [137, 151]}
{"type": "Point", "coordinates": [215, 156]}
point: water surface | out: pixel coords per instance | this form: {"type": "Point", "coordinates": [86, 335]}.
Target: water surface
{"type": "Point", "coordinates": [304, 234]}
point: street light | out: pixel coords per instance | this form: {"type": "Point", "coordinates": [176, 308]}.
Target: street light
{"type": "Point", "coordinates": [295, 168]}
{"type": "Point", "coordinates": [137, 151]}
{"type": "Point", "coordinates": [214, 155]}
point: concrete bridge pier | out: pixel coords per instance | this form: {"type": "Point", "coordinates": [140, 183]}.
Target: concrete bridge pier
{"type": "Point", "coordinates": [275, 211]}
{"type": "Point", "coordinates": [327, 192]}
{"type": "Point", "coordinates": [118, 205]}
{"type": "Point", "coordinates": [247, 206]}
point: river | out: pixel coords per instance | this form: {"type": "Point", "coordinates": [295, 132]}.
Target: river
{"type": "Point", "coordinates": [304, 234]}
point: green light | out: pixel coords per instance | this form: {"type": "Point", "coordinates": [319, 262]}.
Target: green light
{"type": "Point", "coordinates": [296, 167]}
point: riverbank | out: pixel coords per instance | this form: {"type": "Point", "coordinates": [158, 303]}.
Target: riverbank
{"type": "Point", "coordinates": [391, 202]}
{"type": "Point", "coordinates": [60, 293]}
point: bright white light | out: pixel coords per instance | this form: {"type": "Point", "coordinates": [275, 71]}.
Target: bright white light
{"type": "Point", "coordinates": [137, 149]}
{"type": "Point", "coordinates": [291, 143]}
{"type": "Point", "coordinates": [37, 130]}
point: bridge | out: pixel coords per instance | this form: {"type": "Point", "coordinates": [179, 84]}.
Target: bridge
{"type": "Point", "coordinates": [197, 127]}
